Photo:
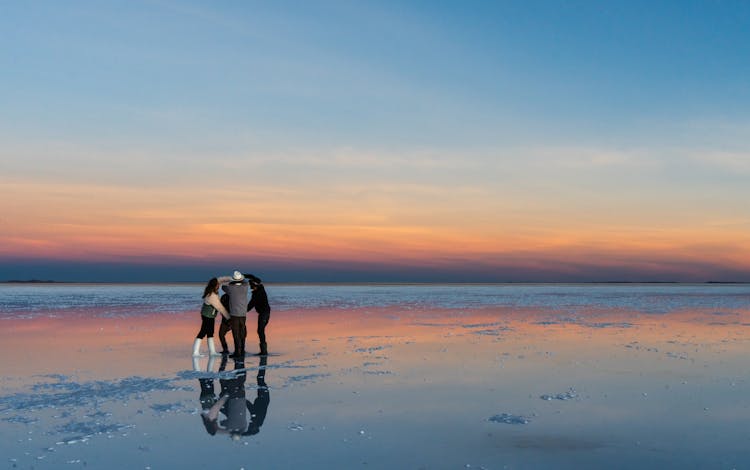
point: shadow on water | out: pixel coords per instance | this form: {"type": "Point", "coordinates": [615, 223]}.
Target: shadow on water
{"type": "Point", "coordinates": [231, 412]}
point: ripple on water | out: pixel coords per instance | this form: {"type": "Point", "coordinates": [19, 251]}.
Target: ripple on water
{"type": "Point", "coordinates": [506, 418]}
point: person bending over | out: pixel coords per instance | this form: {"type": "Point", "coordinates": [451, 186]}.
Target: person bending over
{"type": "Point", "coordinates": [259, 301]}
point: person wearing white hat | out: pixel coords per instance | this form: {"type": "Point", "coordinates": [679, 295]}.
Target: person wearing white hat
{"type": "Point", "coordinates": [237, 291]}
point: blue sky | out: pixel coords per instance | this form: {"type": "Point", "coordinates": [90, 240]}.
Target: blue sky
{"type": "Point", "coordinates": [360, 72]}
{"type": "Point", "coordinates": [516, 121]}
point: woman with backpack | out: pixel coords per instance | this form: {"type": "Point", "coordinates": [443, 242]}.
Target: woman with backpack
{"type": "Point", "coordinates": [211, 306]}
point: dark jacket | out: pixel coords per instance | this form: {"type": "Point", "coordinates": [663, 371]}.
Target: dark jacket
{"type": "Point", "coordinates": [259, 300]}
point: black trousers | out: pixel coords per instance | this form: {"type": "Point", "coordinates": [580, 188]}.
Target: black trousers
{"type": "Point", "coordinates": [207, 328]}
{"type": "Point", "coordinates": [239, 332]}
{"type": "Point", "coordinates": [224, 328]}
{"type": "Point", "coordinates": [208, 396]}
{"type": "Point", "coordinates": [263, 319]}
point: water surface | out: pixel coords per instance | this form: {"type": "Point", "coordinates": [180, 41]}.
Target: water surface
{"type": "Point", "coordinates": [382, 376]}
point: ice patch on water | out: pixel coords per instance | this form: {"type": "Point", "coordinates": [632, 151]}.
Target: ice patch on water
{"type": "Point", "coordinates": [439, 325]}
{"type": "Point", "coordinates": [77, 394]}
{"type": "Point", "coordinates": [677, 356]}
{"type": "Point", "coordinates": [87, 429]}
{"type": "Point", "coordinates": [481, 325]}
{"type": "Point", "coordinates": [167, 407]}
{"type": "Point", "coordinates": [228, 374]}
{"type": "Point", "coordinates": [506, 418]}
{"type": "Point", "coordinates": [372, 349]}
{"type": "Point", "coordinates": [487, 332]}
{"type": "Point", "coordinates": [58, 377]}
{"type": "Point", "coordinates": [608, 325]}
{"type": "Point", "coordinates": [638, 347]}
{"type": "Point", "coordinates": [18, 419]}
{"type": "Point", "coordinates": [569, 395]}
{"type": "Point", "coordinates": [297, 379]}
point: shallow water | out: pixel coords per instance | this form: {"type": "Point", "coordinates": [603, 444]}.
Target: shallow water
{"type": "Point", "coordinates": [507, 376]}
{"type": "Point", "coordinates": [27, 300]}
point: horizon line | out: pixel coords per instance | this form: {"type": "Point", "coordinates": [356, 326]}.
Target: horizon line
{"type": "Point", "coordinates": [37, 282]}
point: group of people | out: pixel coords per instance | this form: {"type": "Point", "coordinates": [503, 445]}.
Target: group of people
{"type": "Point", "coordinates": [233, 307]}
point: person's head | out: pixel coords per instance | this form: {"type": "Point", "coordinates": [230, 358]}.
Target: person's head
{"type": "Point", "coordinates": [255, 281]}
{"type": "Point", "coordinates": [211, 287]}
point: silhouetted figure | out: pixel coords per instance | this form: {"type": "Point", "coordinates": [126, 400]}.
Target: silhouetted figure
{"type": "Point", "coordinates": [259, 301]}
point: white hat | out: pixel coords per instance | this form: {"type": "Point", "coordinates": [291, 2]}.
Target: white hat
{"type": "Point", "coordinates": [237, 276]}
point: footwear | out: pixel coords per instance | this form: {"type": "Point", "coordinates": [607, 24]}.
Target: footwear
{"type": "Point", "coordinates": [197, 347]}
{"type": "Point", "coordinates": [212, 347]}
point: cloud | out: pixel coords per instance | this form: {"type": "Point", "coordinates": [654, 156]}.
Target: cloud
{"type": "Point", "coordinates": [732, 162]}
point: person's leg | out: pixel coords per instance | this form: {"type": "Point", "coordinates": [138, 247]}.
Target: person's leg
{"type": "Point", "coordinates": [261, 329]}
{"type": "Point", "coordinates": [262, 322]}
{"type": "Point", "coordinates": [210, 339]}
{"type": "Point", "coordinates": [223, 329]}
{"type": "Point", "coordinates": [205, 327]}
{"type": "Point", "coordinates": [201, 334]}
{"type": "Point", "coordinates": [243, 333]}
{"type": "Point", "coordinates": [236, 335]}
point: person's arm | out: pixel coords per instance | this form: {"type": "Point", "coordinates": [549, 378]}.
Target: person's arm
{"type": "Point", "coordinates": [251, 304]}
{"type": "Point", "coordinates": [213, 412]}
{"type": "Point", "coordinates": [214, 301]}
{"type": "Point", "coordinates": [224, 280]}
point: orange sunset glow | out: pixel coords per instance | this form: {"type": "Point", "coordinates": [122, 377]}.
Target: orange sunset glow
{"type": "Point", "coordinates": [297, 155]}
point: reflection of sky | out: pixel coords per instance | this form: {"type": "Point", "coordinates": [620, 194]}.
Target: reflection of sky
{"type": "Point", "coordinates": [389, 387]}
{"type": "Point", "coordinates": [594, 141]}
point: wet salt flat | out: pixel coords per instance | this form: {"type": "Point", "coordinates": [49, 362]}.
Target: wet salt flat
{"type": "Point", "coordinates": [436, 376]}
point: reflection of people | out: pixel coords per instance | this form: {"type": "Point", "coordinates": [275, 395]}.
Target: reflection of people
{"type": "Point", "coordinates": [259, 408]}
{"type": "Point", "coordinates": [237, 291]}
{"type": "Point", "coordinates": [259, 301]}
{"type": "Point", "coordinates": [211, 306]}
{"type": "Point", "coordinates": [208, 394]}
{"type": "Point", "coordinates": [233, 404]}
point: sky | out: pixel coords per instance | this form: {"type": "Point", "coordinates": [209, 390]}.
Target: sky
{"type": "Point", "coordinates": [383, 141]}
